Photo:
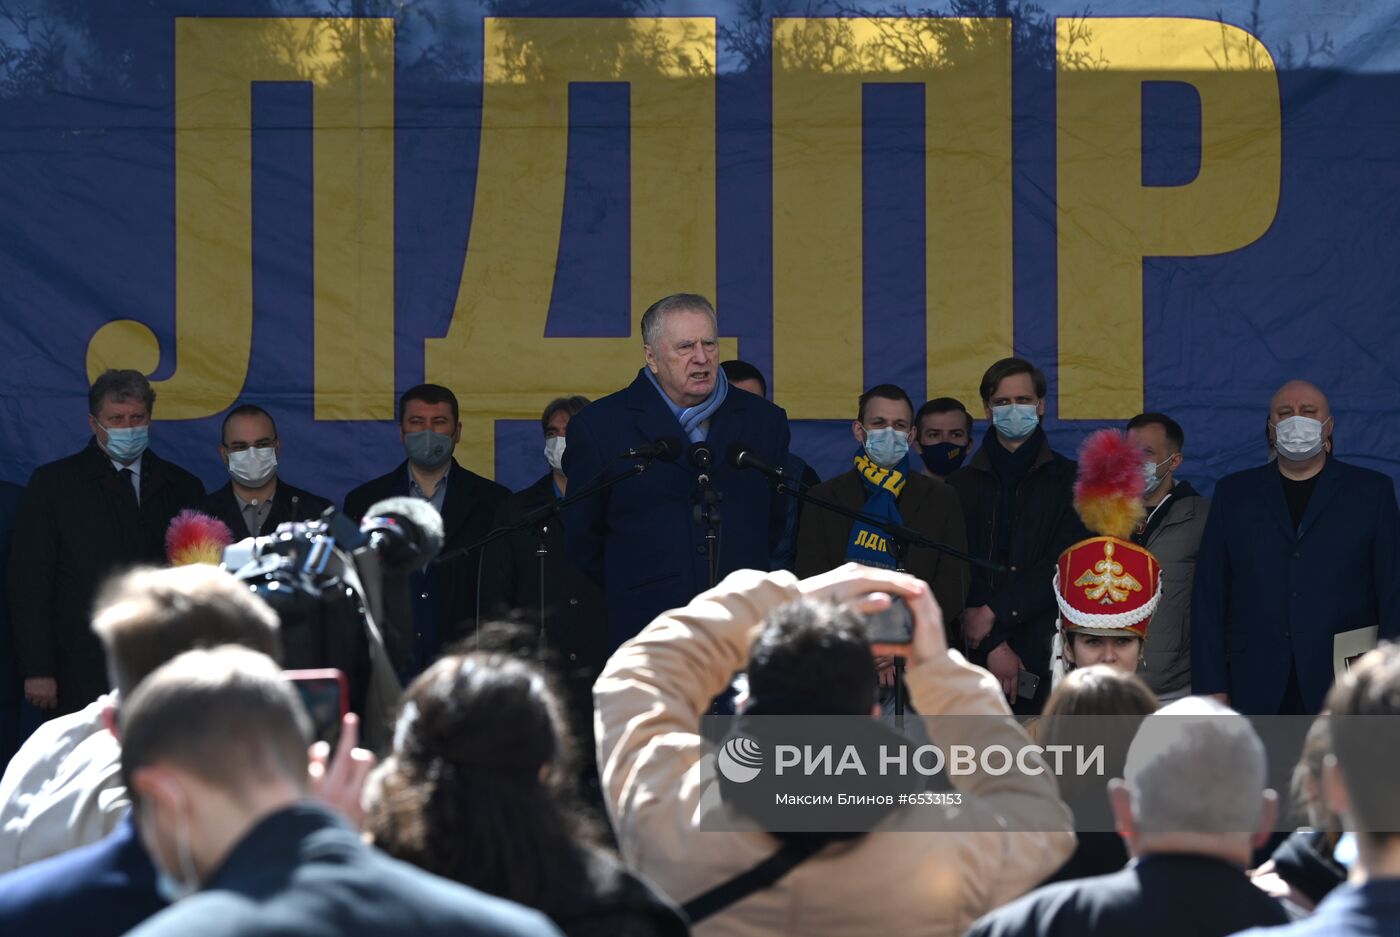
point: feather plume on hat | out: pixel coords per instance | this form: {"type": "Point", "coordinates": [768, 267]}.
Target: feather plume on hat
{"type": "Point", "coordinates": [193, 537]}
{"type": "Point", "coordinates": [1108, 492]}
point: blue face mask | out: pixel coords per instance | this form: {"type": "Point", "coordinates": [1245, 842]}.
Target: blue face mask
{"type": "Point", "coordinates": [427, 449]}
{"type": "Point", "coordinates": [1015, 420]}
{"type": "Point", "coordinates": [125, 444]}
{"type": "Point", "coordinates": [943, 458]}
{"type": "Point", "coordinates": [886, 447]}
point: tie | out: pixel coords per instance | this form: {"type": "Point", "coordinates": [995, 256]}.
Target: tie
{"type": "Point", "coordinates": [130, 478]}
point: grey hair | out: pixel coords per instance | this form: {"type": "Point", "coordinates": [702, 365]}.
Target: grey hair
{"type": "Point", "coordinates": [120, 386]}
{"type": "Point", "coordinates": [1196, 766]}
{"type": "Point", "coordinates": [676, 302]}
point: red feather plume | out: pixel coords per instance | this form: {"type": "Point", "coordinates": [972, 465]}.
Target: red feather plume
{"type": "Point", "coordinates": [193, 537]}
{"type": "Point", "coordinates": [1108, 492]}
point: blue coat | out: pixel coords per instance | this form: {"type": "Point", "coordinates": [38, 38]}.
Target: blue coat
{"type": "Point", "coordinates": [103, 889]}
{"type": "Point", "coordinates": [1266, 598]}
{"type": "Point", "coordinates": [640, 540]}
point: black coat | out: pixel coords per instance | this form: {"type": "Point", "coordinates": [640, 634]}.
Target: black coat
{"type": "Point", "coordinates": [471, 505]}
{"type": "Point", "coordinates": [1156, 896]}
{"type": "Point", "coordinates": [289, 503]}
{"type": "Point", "coordinates": [302, 871]}
{"type": "Point", "coordinates": [78, 523]}
{"type": "Point", "coordinates": [576, 617]}
{"type": "Point", "coordinates": [1045, 523]}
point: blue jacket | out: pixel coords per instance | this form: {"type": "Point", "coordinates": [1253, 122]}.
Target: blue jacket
{"type": "Point", "coordinates": [1370, 910]}
{"type": "Point", "coordinates": [1266, 598]}
{"type": "Point", "coordinates": [94, 891]}
{"type": "Point", "coordinates": [640, 539]}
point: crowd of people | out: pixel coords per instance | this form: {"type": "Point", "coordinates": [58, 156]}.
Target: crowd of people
{"type": "Point", "coordinates": [556, 773]}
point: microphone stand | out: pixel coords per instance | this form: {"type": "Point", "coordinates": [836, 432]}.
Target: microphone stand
{"type": "Point", "coordinates": [900, 538]}
{"type": "Point", "coordinates": [707, 514]}
{"type": "Point", "coordinates": [538, 519]}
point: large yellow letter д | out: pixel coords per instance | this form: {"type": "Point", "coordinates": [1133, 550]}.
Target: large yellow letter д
{"type": "Point", "coordinates": [1109, 221]}
{"type": "Point", "coordinates": [349, 63]}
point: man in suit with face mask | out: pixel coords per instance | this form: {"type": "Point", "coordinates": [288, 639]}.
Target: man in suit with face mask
{"type": "Point", "coordinates": [1296, 552]}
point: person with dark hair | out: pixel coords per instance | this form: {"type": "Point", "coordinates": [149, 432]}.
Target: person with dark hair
{"type": "Point", "coordinates": [656, 540]}
{"type": "Point", "coordinates": [942, 436]}
{"type": "Point", "coordinates": [1093, 706]}
{"type": "Point", "coordinates": [479, 790]}
{"type": "Point", "coordinates": [82, 518]}
{"type": "Point", "coordinates": [1175, 519]}
{"type": "Point", "coordinates": [214, 751]}
{"type": "Point", "coordinates": [885, 483]}
{"type": "Point", "coordinates": [565, 605]}
{"type": "Point", "coordinates": [1358, 785]}
{"type": "Point", "coordinates": [445, 603]}
{"type": "Point", "coordinates": [64, 796]}
{"type": "Point", "coordinates": [804, 653]}
{"type": "Point", "coordinates": [745, 376]}
{"type": "Point", "coordinates": [1266, 614]}
{"type": "Point", "coordinates": [256, 501]}
{"type": "Point", "coordinates": [1017, 498]}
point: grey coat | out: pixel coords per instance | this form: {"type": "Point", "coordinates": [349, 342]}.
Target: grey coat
{"type": "Point", "coordinates": [1174, 542]}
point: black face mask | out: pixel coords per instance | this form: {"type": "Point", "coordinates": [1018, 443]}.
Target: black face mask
{"type": "Point", "coordinates": [944, 458]}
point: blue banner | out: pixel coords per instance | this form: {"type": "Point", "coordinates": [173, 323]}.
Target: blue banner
{"type": "Point", "coordinates": [313, 206]}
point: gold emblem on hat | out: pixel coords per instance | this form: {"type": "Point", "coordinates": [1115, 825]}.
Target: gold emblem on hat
{"type": "Point", "coordinates": [1106, 583]}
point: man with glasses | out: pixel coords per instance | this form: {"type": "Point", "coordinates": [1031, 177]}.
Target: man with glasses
{"type": "Point", "coordinates": [255, 501]}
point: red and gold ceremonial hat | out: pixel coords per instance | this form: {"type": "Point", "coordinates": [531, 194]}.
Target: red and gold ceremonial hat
{"type": "Point", "coordinates": [1108, 585]}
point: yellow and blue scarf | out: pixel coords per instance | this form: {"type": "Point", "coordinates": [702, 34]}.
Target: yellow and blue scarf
{"type": "Point", "coordinates": [869, 545]}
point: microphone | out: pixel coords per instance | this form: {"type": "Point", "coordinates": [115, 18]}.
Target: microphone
{"type": "Point", "coordinates": [665, 448]}
{"type": "Point", "coordinates": [405, 532]}
{"type": "Point", "coordinates": [702, 456]}
{"type": "Point", "coordinates": [741, 457]}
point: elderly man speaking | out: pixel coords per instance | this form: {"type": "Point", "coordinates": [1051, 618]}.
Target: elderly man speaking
{"type": "Point", "coordinates": [644, 540]}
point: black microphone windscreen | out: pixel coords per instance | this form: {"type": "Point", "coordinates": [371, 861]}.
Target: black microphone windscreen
{"type": "Point", "coordinates": [670, 448]}
{"type": "Point", "coordinates": [702, 456]}
{"type": "Point", "coordinates": [421, 522]}
{"type": "Point", "coordinates": [734, 453]}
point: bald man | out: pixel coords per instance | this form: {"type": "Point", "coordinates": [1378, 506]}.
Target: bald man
{"type": "Point", "coordinates": [1296, 552]}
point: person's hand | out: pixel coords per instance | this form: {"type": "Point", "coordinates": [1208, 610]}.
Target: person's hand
{"type": "Point", "coordinates": [873, 588]}
{"type": "Point", "coordinates": [339, 782]}
{"type": "Point", "coordinates": [1005, 665]}
{"type": "Point", "coordinates": [884, 668]}
{"type": "Point", "coordinates": [41, 692]}
{"type": "Point", "coordinates": [977, 623]}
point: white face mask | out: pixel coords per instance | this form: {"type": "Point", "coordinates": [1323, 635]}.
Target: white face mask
{"type": "Point", "coordinates": [1299, 438]}
{"type": "Point", "coordinates": [1150, 476]}
{"type": "Point", "coordinates": [171, 887]}
{"type": "Point", "coordinates": [254, 467]}
{"type": "Point", "coordinates": [554, 452]}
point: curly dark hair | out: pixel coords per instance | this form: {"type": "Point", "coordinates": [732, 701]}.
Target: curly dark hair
{"type": "Point", "coordinates": [478, 788]}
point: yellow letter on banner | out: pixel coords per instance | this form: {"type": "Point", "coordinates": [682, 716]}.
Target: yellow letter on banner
{"type": "Point", "coordinates": [495, 355]}
{"type": "Point", "coordinates": [350, 65]}
{"type": "Point", "coordinates": [1109, 221]}
{"type": "Point", "coordinates": [820, 66]}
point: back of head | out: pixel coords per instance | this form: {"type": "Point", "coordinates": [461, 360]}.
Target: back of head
{"type": "Point", "coordinates": [1196, 766]}
{"type": "Point", "coordinates": [812, 657]}
{"type": "Point", "coordinates": [1094, 707]}
{"type": "Point", "coordinates": [225, 715]}
{"type": "Point", "coordinates": [474, 790]}
{"type": "Point", "coordinates": [1365, 743]}
{"type": "Point", "coordinates": [149, 616]}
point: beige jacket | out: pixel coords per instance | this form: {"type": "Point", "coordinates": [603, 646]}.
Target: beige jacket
{"type": "Point", "coordinates": [655, 771]}
{"type": "Point", "coordinates": [63, 789]}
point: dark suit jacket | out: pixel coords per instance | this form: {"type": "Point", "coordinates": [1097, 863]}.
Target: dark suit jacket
{"type": "Point", "coordinates": [1267, 598]}
{"type": "Point", "coordinates": [101, 890]}
{"type": "Point", "coordinates": [10, 686]}
{"type": "Point", "coordinates": [1156, 896]}
{"type": "Point", "coordinates": [472, 502]}
{"type": "Point", "coordinates": [1023, 597]}
{"type": "Point", "coordinates": [576, 618]}
{"type": "Point", "coordinates": [640, 540]}
{"type": "Point", "coordinates": [302, 871]}
{"type": "Point", "coordinates": [289, 503]}
{"type": "Point", "coordinates": [78, 523]}
{"type": "Point", "coordinates": [1370, 910]}
{"type": "Point", "coordinates": [926, 505]}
